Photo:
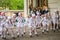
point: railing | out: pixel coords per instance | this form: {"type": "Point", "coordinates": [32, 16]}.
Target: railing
{"type": "Point", "coordinates": [10, 12]}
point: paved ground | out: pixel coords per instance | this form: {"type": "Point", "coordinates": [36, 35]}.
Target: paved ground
{"type": "Point", "coordinates": [47, 36]}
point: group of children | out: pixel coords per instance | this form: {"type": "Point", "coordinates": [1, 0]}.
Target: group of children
{"type": "Point", "coordinates": [19, 23]}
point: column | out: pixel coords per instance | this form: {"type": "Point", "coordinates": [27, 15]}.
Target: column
{"type": "Point", "coordinates": [30, 1]}
{"type": "Point", "coordinates": [28, 5]}
{"type": "Point", "coordinates": [34, 3]}
{"type": "Point", "coordinates": [25, 8]}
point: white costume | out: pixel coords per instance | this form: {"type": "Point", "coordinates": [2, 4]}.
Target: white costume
{"type": "Point", "coordinates": [13, 19]}
{"type": "Point", "coordinates": [55, 21]}
{"type": "Point", "coordinates": [3, 21]}
{"type": "Point", "coordinates": [55, 18]}
{"type": "Point", "coordinates": [0, 27]}
{"type": "Point", "coordinates": [8, 23]}
{"type": "Point", "coordinates": [27, 21]}
{"type": "Point", "coordinates": [38, 19]}
{"type": "Point", "coordinates": [45, 23]}
{"type": "Point", "coordinates": [19, 23]}
{"type": "Point", "coordinates": [32, 25]}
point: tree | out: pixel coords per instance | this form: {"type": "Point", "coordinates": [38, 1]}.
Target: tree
{"type": "Point", "coordinates": [12, 4]}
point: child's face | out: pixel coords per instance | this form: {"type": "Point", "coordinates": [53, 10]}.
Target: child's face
{"type": "Point", "coordinates": [38, 14]}
{"type": "Point", "coordinates": [33, 17]}
{"type": "Point", "coordinates": [20, 15]}
{"type": "Point", "coordinates": [2, 14]}
{"type": "Point", "coordinates": [28, 16]}
{"type": "Point", "coordinates": [14, 16]}
{"type": "Point", "coordinates": [42, 15]}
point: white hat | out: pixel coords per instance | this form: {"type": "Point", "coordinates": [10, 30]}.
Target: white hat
{"type": "Point", "coordinates": [37, 12]}
{"type": "Point", "coordinates": [19, 13]}
{"type": "Point", "coordinates": [2, 12]}
{"type": "Point", "coordinates": [7, 20]}
{"type": "Point", "coordinates": [33, 15]}
{"type": "Point", "coordinates": [31, 11]}
{"type": "Point", "coordinates": [9, 17]}
{"type": "Point", "coordinates": [14, 14]}
{"type": "Point", "coordinates": [55, 10]}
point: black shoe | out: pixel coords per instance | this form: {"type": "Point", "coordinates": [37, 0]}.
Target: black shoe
{"type": "Point", "coordinates": [8, 34]}
{"type": "Point", "coordinates": [47, 31]}
{"type": "Point", "coordinates": [0, 34]}
{"type": "Point", "coordinates": [17, 35]}
{"type": "Point", "coordinates": [57, 29]}
{"type": "Point", "coordinates": [36, 34]}
{"type": "Point", "coordinates": [54, 30]}
{"type": "Point", "coordinates": [30, 36]}
{"type": "Point", "coordinates": [42, 32]}
{"type": "Point", "coordinates": [4, 38]}
{"type": "Point", "coordinates": [22, 35]}
{"type": "Point", "coordinates": [13, 37]}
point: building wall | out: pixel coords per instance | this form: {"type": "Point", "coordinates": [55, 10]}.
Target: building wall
{"type": "Point", "coordinates": [53, 5]}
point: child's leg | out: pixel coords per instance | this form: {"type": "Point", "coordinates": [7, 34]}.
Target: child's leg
{"type": "Point", "coordinates": [18, 30]}
{"type": "Point", "coordinates": [35, 30]}
{"type": "Point", "coordinates": [11, 32]}
{"type": "Point", "coordinates": [4, 33]}
{"type": "Point", "coordinates": [24, 29]}
{"type": "Point", "coordinates": [30, 31]}
{"type": "Point", "coordinates": [47, 29]}
{"type": "Point", "coordinates": [57, 25]}
{"type": "Point", "coordinates": [0, 31]}
{"type": "Point", "coordinates": [43, 29]}
{"type": "Point", "coordinates": [54, 27]}
{"type": "Point", "coordinates": [50, 25]}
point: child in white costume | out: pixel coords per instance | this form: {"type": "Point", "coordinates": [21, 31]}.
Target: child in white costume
{"type": "Point", "coordinates": [13, 19]}
{"type": "Point", "coordinates": [45, 23]}
{"type": "Point", "coordinates": [55, 20]}
{"type": "Point", "coordinates": [38, 20]}
{"type": "Point", "coordinates": [32, 25]}
{"type": "Point", "coordinates": [50, 20]}
{"type": "Point", "coordinates": [3, 21]}
{"type": "Point", "coordinates": [8, 23]}
{"type": "Point", "coordinates": [0, 26]}
{"type": "Point", "coordinates": [24, 24]}
{"type": "Point", "coordinates": [14, 23]}
{"type": "Point", "coordinates": [27, 20]}
{"type": "Point", "coordinates": [0, 29]}
{"type": "Point", "coordinates": [19, 24]}
{"type": "Point", "coordinates": [9, 27]}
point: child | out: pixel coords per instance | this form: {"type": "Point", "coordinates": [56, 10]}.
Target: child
{"type": "Point", "coordinates": [8, 26]}
{"type": "Point", "coordinates": [14, 20]}
{"type": "Point", "coordinates": [38, 20]}
{"type": "Point", "coordinates": [14, 23]}
{"type": "Point", "coordinates": [32, 25]}
{"type": "Point", "coordinates": [3, 21]}
{"type": "Point", "coordinates": [19, 25]}
{"type": "Point", "coordinates": [55, 20]}
{"type": "Point", "coordinates": [45, 23]}
{"type": "Point", "coordinates": [0, 26]}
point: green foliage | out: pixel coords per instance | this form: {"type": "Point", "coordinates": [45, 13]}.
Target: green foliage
{"type": "Point", "coordinates": [12, 4]}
